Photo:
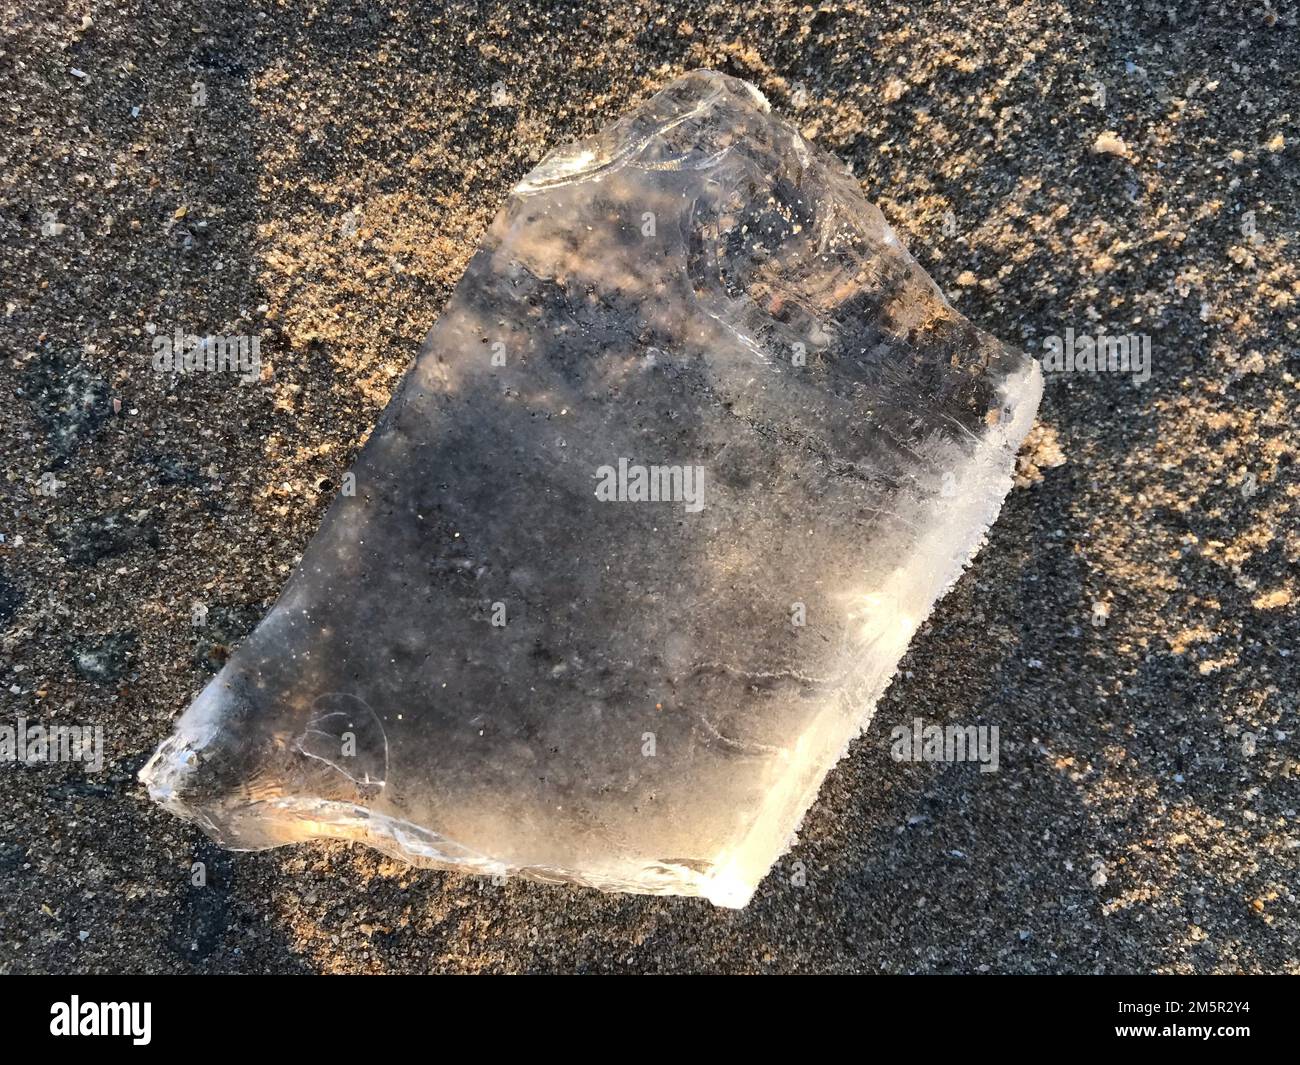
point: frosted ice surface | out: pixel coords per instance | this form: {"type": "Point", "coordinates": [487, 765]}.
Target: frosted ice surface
{"type": "Point", "coordinates": [642, 536]}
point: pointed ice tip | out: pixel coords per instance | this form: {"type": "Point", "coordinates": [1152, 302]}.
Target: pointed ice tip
{"type": "Point", "coordinates": [729, 891]}
{"type": "Point", "coordinates": [718, 78]}
{"type": "Point", "coordinates": [165, 772]}
{"type": "Point", "coordinates": [169, 777]}
{"type": "Point", "coordinates": [715, 108]}
{"type": "Point", "coordinates": [702, 82]}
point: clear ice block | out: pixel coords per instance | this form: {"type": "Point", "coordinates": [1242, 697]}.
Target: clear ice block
{"type": "Point", "coordinates": [638, 543]}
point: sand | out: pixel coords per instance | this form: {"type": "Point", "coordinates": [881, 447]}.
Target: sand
{"type": "Point", "coordinates": [319, 178]}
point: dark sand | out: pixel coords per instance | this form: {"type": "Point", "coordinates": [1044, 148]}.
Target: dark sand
{"type": "Point", "coordinates": [1145, 814]}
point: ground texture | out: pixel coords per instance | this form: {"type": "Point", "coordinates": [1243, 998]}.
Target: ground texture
{"type": "Point", "coordinates": [319, 176]}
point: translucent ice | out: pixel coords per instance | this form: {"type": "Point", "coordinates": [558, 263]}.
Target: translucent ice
{"type": "Point", "coordinates": [640, 540]}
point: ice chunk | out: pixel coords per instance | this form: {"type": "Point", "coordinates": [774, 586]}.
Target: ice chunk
{"type": "Point", "coordinates": [641, 538]}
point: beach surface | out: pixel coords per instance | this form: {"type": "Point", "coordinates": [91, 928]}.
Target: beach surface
{"type": "Point", "coordinates": [318, 176]}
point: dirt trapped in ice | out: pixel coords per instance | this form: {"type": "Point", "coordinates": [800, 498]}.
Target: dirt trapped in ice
{"type": "Point", "coordinates": [639, 541]}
